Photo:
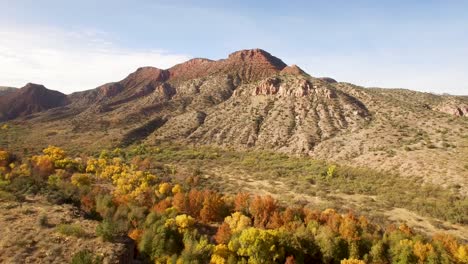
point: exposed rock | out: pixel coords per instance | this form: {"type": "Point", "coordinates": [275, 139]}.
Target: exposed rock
{"type": "Point", "coordinates": [272, 86]}
{"type": "Point", "coordinates": [453, 108]}
{"type": "Point", "coordinates": [268, 86]}
{"type": "Point", "coordinates": [109, 90]}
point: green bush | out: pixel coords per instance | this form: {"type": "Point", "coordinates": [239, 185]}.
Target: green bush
{"type": "Point", "coordinates": [108, 230]}
{"type": "Point", "coordinates": [71, 230]}
{"type": "Point", "coordinates": [43, 220]}
{"type": "Point", "coordinates": [85, 257]}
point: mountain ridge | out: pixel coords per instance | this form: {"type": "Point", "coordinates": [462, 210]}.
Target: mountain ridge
{"type": "Point", "coordinates": [253, 100]}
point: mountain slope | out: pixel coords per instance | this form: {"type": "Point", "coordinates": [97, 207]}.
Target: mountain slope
{"type": "Point", "coordinates": [253, 100]}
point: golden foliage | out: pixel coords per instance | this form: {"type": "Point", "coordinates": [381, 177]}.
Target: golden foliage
{"type": "Point", "coordinates": [184, 222]}
{"type": "Point", "coordinates": [238, 222]}
{"type": "Point", "coordinates": [177, 189]}
{"type": "Point", "coordinates": [81, 179]}
{"type": "Point", "coordinates": [352, 261]}
{"type": "Point", "coordinates": [164, 188]}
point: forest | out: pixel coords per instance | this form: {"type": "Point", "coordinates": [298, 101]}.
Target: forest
{"type": "Point", "coordinates": [174, 219]}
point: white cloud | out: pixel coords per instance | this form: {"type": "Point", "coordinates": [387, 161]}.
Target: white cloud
{"type": "Point", "coordinates": [70, 61]}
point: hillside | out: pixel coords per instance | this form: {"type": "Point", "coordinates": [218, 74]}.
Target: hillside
{"type": "Point", "coordinates": [35, 231]}
{"type": "Point", "coordinates": [253, 100]}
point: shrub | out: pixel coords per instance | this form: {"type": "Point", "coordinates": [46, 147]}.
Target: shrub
{"type": "Point", "coordinates": [85, 257]}
{"type": "Point", "coordinates": [71, 230]}
{"type": "Point", "coordinates": [43, 220]}
{"type": "Point", "coordinates": [108, 230]}
{"type": "Point", "coordinates": [81, 179]}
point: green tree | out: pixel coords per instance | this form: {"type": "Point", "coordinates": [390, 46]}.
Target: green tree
{"type": "Point", "coordinates": [258, 246]}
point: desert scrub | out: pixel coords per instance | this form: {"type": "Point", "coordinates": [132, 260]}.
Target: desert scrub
{"type": "Point", "coordinates": [108, 230]}
{"type": "Point", "coordinates": [85, 257]}
{"type": "Point", "coordinates": [43, 220]}
{"type": "Point", "coordinates": [71, 230]}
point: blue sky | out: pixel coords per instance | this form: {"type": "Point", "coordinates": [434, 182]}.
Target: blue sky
{"type": "Point", "coordinates": [77, 45]}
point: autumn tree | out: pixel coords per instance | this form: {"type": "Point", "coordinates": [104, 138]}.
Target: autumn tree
{"type": "Point", "coordinates": [258, 246]}
{"type": "Point", "coordinates": [222, 255]}
{"type": "Point", "coordinates": [242, 202]}
{"type": "Point", "coordinates": [213, 207]}
{"type": "Point", "coordinates": [238, 222]}
{"type": "Point", "coordinates": [261, 209]}
{"type": "Point", "coordinates": [332, 247]}
{"type": "Point", "coordinates": [223, 234]}
{"type": "Point", "coordinates": [161, 206]}
{"type": "Point", "coordinates": [402, 252]}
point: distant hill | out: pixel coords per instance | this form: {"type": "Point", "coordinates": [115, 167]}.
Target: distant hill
{"type": "Point", "coordinates": [30, 99]}
{"type": "Point", "coordinates": [5, 90]}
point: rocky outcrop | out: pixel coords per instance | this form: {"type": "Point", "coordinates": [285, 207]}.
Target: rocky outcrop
{"type": "Point", "coordinates": [453, 108]}
{"type": "Point", "coordinates": [109, 90]}
{"type": "Point", "coordinates": [274, 86]}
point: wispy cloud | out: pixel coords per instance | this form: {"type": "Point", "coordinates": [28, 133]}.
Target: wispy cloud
{"type": "Point", "coordinates": [71, 61]}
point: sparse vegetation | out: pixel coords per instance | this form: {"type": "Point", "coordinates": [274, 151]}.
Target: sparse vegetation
{"type": "Point", "coordinates": [140, 193]}
{"type": "Point", "coordinates": [71, 230]}
{"type": "Point", "coordinates": [43, 220]}
{"type": "Point", "coordinates": [85, 257]}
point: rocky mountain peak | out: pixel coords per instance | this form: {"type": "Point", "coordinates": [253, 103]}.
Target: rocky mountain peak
{"type": "Point", "coordinates": [33, 87]}
{"type": "Point", "coordinates": [145, 74]}
{"type": "Point", "coordinates": [30, 99]}
{"type": "Point", "coordinates": [256, 56]}
{"type": "Point", "coordinates": [293, 69]}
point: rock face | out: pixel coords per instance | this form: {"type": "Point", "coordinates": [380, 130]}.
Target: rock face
{"type": "Point", "coordinates": [275, 86]}
{"type": "Point", "coordinates": [30, 99]}
{"type": "Point", "coordinates": [453, 108]}
{"type": "Point", "coordinates": [284, 113]}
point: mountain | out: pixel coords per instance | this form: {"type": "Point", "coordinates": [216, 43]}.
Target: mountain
{"type": "Point", "coordinates": [5, 90]}
{"type": "Point", "coordinates": [30, 99]}
{"type": "Point", "coordinates": [253, 100]}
